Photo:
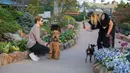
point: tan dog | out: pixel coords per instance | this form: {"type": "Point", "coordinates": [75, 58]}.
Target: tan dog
{"type": "Point", "coordinates": [54, 46]}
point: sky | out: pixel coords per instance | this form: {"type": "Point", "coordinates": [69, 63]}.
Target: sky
{"type": "Point", "coordinates": [99, 1]}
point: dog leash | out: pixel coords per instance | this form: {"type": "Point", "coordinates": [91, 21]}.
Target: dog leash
{"type": "Point", "coordinates": [49, 42]}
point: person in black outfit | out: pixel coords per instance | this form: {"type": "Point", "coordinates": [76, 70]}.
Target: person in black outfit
{"type": "Point", "coordinates": [106, 26]}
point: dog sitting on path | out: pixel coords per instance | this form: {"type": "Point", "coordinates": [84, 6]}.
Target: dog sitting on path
{"type": "Point", "coordinates": [54, 46]}
{"type": "Point", "coordinates": [90, 51]}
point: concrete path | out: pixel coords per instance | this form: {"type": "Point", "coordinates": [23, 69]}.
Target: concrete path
{"type": "Point", "coordinates": [72, 59]}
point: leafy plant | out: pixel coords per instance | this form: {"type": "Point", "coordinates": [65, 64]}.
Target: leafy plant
{"type": "Point", "coordinates": [15, 13]}
{"type": "Point", "coordinates": [65, 20]}
{"type": "Point", "coordinates": [7, 22]}
{"type": "Point", "coordinates": [26, 22]}
{"type": "Point", "coordinates": [47, 38]}
{"type": "Point", "coordinates": [33, 9]}
{"type": "Point", "coordinates": [124, 28]}
{"type": "Point", "coordinates": [80, 17]}
{"type": "Point", "coordinates": [21, 44]}
{"type": "Point", "coordinates": [47, 28]}
{"type": "Point", "coordinates": [9, 47]}
{"type": "Point", "coordinates": [62, 38]}
{"type": "Point", "coordinates": [4, 47]}
{"type": "Point", "coordinates": [122, 13]}
{"type": "Point", "coordinates": [66, 36]}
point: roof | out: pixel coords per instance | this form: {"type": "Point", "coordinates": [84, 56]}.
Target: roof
{"type": "Point", "coordinates": [8, 2]}
{"type": "Point", "coordinates": [72, 13]}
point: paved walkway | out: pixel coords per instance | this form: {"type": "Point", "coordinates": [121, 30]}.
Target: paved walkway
{"type": "Point", "coordinates": [72, 60]}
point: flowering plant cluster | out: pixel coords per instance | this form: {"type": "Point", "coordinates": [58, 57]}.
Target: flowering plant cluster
{"type": "Point", "coordinates": [113, 59]}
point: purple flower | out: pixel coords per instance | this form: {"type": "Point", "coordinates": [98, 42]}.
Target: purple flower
{"type": "Point", "coordinates": [118, 30]}
{"type": "Point", "coordinates": [124, 44]}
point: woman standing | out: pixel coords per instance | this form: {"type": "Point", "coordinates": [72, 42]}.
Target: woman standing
{"type": "Point", "coordinates": [106, 35]}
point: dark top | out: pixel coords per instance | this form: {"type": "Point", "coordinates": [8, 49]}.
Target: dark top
{"type": "Point", "coordinates": [104, 23]}
{"type": "Point", "coordinates": [99, 26]}
{"type": "Point", "coordinates": [34, 36]}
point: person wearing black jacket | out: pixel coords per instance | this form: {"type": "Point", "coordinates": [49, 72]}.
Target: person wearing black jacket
{"type": "Point", "coordinates": [106, 26]}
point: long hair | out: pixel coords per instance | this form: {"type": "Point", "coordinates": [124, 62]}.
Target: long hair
{"type": "Point", "coordinates": [94, 19]}
{"type": "Point", "coordinates": [105, 19]}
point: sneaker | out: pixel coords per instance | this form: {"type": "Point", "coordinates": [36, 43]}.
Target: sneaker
{"type": "Point", "coordinates": [37, 57]}
{"type": "Point", "coordinates": [33, 57]}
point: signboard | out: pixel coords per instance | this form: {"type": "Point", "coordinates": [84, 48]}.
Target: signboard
{"type": "Point", "coordinates": [46, 14]}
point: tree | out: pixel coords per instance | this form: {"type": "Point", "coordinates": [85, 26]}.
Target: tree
{"type": "Point", "coordinates": [68, 5]}
{"type": "Point", "coordinates": [19, 5]}
{"type": "Point", "coordinates": [122, 13]}
{"type": "Point", "coordinates": [64, 6]}
{"type": "Point", "coordinates": [121, 5]}
{"type": "Point", "coordinates": [34, 7]}
{"type": "Point", "coordinates": [46, 5]}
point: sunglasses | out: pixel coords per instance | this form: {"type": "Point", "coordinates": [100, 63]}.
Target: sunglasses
{"type": "Point", "coordinates": [41, 20]}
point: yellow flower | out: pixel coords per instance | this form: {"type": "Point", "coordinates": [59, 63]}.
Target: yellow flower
{"type": "Point", "coordinates": [74, 34]}
{"type": "Point", "coordinates": [60, 41]}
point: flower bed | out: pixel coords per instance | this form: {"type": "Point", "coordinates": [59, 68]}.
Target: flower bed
{"type": "Point", "coordinates": [64, 45]}
{"type": "Point", "coordinates": [10, 47]}
{"type": "Point", "coordinates": [16, 51]}
{"type": "Point", "coordinates": [12, 52]}
{"type": "Point", "coordinates": [111, 60]}
{"type": "Point", "coordinates": [12, 57]}
{"type": "Point", "coordinates": [66, 39]}
{"type": "Point", "coordinates": [123, 37]}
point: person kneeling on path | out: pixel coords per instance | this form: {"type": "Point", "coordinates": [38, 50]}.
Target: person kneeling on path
{"type": "Point", "coordinates": [35, 44]}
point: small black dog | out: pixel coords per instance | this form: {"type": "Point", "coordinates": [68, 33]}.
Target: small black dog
{"type": "Point", "coordinates": [90, 51]}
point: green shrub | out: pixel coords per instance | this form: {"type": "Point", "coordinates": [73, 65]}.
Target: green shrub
{"type": "Point", "coordinates": [129, 27]}
{"type": "Point", "coordinates": [6, 27]}
{"type": "Point", "coordinates": [66, 36]}
{"type": "Point", "coordinates": [46, 27]}
{"type": "Point", "coordinates": [21, 44]}
{"type": "Point", "coordinates": [80, 17]}
{"type": "Point", "coordinates": [62, 38]}
{"type": "Point", "coordinates": [4, 47]}
{"type": "Point", "coordinates": [125, 32]}
{"type": "Point", "coordinates": [125, 26]}
{"type": "Point", "coordinates": [26, 21]}
{"type": "Point", "coordinates": [67, 20]}
{"type": "Point", "coordinates": [46, 39]}
{"type": "Point", "coordinates": [15, 13]}
{"type": "Point", "coordinates": [7, 22]}
{"type": "Point", "coordinates": [6, 15]}
{"type": "Point", "coordinates": [9, 47]}
{"type": "Point", "coordinates": [76, 25]}
{"type": "Point", "coordinates": [33, 9]}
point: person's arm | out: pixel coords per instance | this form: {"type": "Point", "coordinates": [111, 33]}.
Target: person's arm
{"type": "Point", "coordinates": [110, 27]}
{"type": "Point", "coordinates": [36, 33]}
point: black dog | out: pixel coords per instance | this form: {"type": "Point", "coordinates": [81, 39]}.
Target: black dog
{"type": "Point", "coordinates": [90, 51]}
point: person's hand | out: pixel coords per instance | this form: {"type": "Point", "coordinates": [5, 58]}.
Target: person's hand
{"type": "Point", "coordinates": [86, 27]}
{"type": "Point", "coordinates": [45, 44]}
{"type": "Point", "coordinates": [107, 35]}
